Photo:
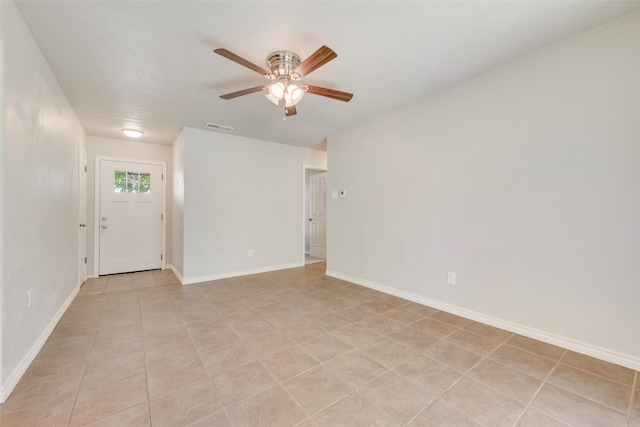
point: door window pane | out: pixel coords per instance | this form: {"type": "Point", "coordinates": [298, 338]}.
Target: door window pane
{"type": "Point", "coordinates": [132, 182]}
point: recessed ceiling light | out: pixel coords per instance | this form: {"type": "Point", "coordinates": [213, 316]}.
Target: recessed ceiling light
{"type": "Point", "coordinates": [132, 133]}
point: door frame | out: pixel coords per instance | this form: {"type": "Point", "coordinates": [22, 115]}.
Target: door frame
{"type": "Point", "coordinates": [82, 200]}
{"type": "Point", "coordinates": [305, 168]}
{"type": "Point", "coordinates": [96, 209]}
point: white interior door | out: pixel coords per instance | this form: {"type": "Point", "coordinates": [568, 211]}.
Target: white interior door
{"type": "Point", "coordinates": [82, 215]}
{"type": "Point", "coordinates": [318, 217]}
{"type": "Point", "coordinates": [130, 216]}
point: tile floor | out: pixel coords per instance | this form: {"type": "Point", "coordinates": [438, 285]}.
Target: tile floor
{"type": "Point", "coordinates": [297, 348]}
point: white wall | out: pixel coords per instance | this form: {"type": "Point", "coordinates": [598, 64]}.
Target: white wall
{"type": "Point", "coordinates": [177, 207]}
{"type": "Point", "coordinates": [524, 181]}
{"type": "Point", "coordinates": [40, 239]}
{"type": "Point", "coordinates": [241, 194]}
{"type": "Point", "coordinates": [125, 149]}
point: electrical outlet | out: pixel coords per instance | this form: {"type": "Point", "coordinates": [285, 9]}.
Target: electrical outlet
{"type": "Point", "coordinates": [451, 278]}
{"type": "Point", "coordinates": [250, 253]}
{"type": "Point", "coordinates": [29, 292]}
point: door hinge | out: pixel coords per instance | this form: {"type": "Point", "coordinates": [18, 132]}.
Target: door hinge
{"type": "Point", "coordinates": [85, 168]}
{"type": "Point", "coordinates": [85, 260]}
{"type": "Point", "coordinates": [161, 216]}
{"type": "Point", "coordinates": [160, 257]}
{"type": "Point", "coordinates": [162, 175]}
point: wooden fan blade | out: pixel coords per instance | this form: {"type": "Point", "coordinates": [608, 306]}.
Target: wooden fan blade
{"type": "Point", "coordinates": [235, 58]}
{"type": "Point", "coordinates": [315, 61]}
{"type": "Point", "coordinates": [330, 93]}
{"type": "Point", "coordinates": [290, 111]}
{"type": "Point", "coordinates": [242, 92]}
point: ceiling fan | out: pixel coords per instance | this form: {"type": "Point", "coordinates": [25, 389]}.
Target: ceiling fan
{"type": "Point", "coordinates": [285, 70]}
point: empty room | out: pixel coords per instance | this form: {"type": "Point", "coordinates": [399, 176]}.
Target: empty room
{"type": "Point", "coordinates": [319, 213]}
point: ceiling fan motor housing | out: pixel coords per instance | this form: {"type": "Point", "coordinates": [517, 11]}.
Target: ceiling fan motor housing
{"type": "Point", "coordinates": [282, 63]}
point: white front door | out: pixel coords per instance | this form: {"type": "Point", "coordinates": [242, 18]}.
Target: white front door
{"type": "Point", "coordinates": [82, 215]}
{"type": "Point", "coordinates": [130, 217]}
{"type": "Point", "coordinates": [318, 217]}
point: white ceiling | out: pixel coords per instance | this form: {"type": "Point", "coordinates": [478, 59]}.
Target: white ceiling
{"type": "Point", "coordinates": [150, 65]}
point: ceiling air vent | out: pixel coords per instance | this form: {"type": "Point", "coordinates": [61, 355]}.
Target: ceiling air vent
{"type": "Point", "coordinates": [221, 128]}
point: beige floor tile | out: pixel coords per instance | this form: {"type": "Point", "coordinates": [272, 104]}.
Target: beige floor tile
{"type": "Point", "coordinates": [488, 331]}
{"type": "Point", "coordinates": [451, 355]}
{"type": "Point", "coordinates": [412, 339]}
{"type": "Point", "coordinates": [509, 381]}
{"type": "Point", "coordinates": [281, 320]}
{"type": "Point", "coordinates": [355, 335]}
{"type": "Point", "coordinates": [524, 361]}
{"type": "Point", "coordinates": [271, 408]}
{"type": "Point", "coordinates": [354, 411]}
{"type": "Point", "coordinates": [576, 410]}
{"type": "Point", "coordinates": [289, 363]}
{"type": "Point", "coordinates": [427, 372]}
{"type": "Point", "coordinates": [596, 388]}
{"type": "Point", "coordinates": [185, 405]}
{"type": "Point", "coordinates": [227, 358]}
{"type": "Point", "coordinates": [452, 319]}
{"type": "Point", "coordinates": [217, 419]}
{"type": "Point", "coordinates": [159, 356]}
{"type": "Point", "coordinates": [420, 309]}
{"type": "Point", "coordinates": [386, 352]}
{"type": "Point", "coordinates": [176, 374]}
{"type": "Point", "coordinates": [326, 347]}
{"type": "Point", "coordinates": [536, 347]}
{"type": "Point", "coordinates": [381, 324]}
{"type": "Point", "coordinates": [332, 321]}
{"type": "Point", "coordinates": [316, 389]}
{"type": "Point", "coordinates": [475, 343]}
{"type": "Point", "coordinates": [42, 391]}
{"type": "Point", "coordinates": [535, 418]}
{"type": "Point", "coordinates": [191, 349]}
{"type": "Point", "coordinates": [356, 313]}
{"type": "Point", "coordinates": [601, 368]}
{"type": "Point", "coordinates": [355, 368]}
{"type": "Point", "coordinates": [99, 402]}
{"type": "Point", "coordinates": [403, 315]}
{"type": "Point", "coordinates": [434, 327]}
{"type": "Point", "coordinates": [377, 306]}
{"type": "Point", "coordinates": [44, 412]}
{"type": "Point", "coordinates": [137, 416]}
{"type": "Point", "coordinates": [302, 332]}
{"type": "Point", "coordinates": [269, 343]}
{"type": "Point", "coordinates": [635, 404]}
{"type": "Point", "coordinates": [398, 397]}
{"type": "Point", "coordinates": [243, 382]}
{"type": "Point", "coordinates": [443, 413]}
{"type": "Point", "coordinates": [484, 404]}
{"type": "Point", "coordinates": [101, 371]}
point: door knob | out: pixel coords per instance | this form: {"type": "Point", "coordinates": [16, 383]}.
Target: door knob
{"type": "Point", "coordinates": [104, 218]}
{"type": "Point", "coordinates": [83, 225]}
{"type": "Point", "coordinates": [310, 219]}
{"type": "Point", "coordinates": [104, 226]}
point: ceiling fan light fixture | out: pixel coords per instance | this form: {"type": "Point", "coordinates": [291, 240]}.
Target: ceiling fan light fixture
{"type": "Point", "coordinates": [276, 90]}
{"type": "Point", "coordinates": [132, 133]}
{"type": "Point", "coordinates": [273, 99]}
{"type": "Point", "coordinates": [295, 92]}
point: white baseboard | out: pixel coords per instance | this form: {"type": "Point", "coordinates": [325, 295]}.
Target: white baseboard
{"type": "Point", "coordinates": [22, 367]}
{"type": "Point", "coordinates": [175, 271]}
{"type": "Point", "coordinates": [192, 280]}
{"type": "Point", "coordinates": [560, 341]}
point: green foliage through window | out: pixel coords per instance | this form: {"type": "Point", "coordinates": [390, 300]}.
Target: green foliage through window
{"type": "Point", "coordinates": [132, 182]}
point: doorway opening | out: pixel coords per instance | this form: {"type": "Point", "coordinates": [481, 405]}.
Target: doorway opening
{"type": "Point", "coordinates": [314, 220]}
